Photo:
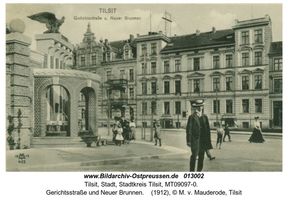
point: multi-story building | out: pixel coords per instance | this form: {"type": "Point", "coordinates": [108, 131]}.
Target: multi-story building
{"type": "Point", "coordinates": [116, 63]}
{"type": "Point", "coordinates": [275, 84]}
{"type": "Point", "coordinates": [228, 68]}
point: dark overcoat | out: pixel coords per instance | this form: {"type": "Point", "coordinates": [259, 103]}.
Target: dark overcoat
{"type": "Point", "coordinates": [198, 132]}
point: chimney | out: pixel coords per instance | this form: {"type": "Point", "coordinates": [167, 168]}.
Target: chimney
{"type": "Point", "coordinates": [106, 42]}
{"type": "Point", "coordinates": [138, 35]}
{"type": "Point", "coordinates": [131, 37]}
{"type": "Point", "coordinates": [213, 29]}
{"type": "Point", "coordinates": [197, 32]}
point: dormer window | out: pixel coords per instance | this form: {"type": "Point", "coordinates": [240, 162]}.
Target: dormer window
{"type": "Point", "coordinates": [108, 56]}
{"type": "Point", "coordinates": [126, 52]}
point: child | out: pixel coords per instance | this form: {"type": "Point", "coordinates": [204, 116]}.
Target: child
{"type": "Point", "coordinates": [227, 133]}
{"type": "Point", "coordinates": [118, 130]}
{"type": "Point", "coordinates": [220, 133]}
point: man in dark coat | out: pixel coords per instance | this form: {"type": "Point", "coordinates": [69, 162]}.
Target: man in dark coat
{"type": "Point", "coordinates": [198, 134]}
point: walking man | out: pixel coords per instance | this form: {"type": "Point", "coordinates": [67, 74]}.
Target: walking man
{"type": "Point", "coordinates": [198, 135]}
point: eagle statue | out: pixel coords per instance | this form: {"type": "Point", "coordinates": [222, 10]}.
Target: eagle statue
{"type": "Point", "coordinates": [52, 23]}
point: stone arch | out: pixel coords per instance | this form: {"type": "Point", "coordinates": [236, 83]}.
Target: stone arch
{"type": "Point", "coordinates": [89, 88]}
{"type": "Point", "coordinates": [40, 101]}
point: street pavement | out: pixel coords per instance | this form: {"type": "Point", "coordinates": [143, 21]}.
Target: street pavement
{"type": "Point", "coordinates": [143, 155]}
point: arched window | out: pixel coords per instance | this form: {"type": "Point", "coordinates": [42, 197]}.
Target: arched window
{"type": "Point", "coordinates": [57, 117]}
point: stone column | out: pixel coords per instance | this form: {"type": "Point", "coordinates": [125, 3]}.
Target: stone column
{"type": "Point", "coordinates": [20, 84]}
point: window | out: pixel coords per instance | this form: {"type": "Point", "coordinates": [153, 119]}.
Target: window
{"type": "Point", "coordinates": [153, 49]}
{"type": "Point", "coordinates": [229, 106]}
{"type": "Point", "coordinates": [166, 66]}
{"type": "Point", "coordinates": [144, 49]}
{"type": "Point", "coordinates": [216, 62]}
{"type": "Point", "coordinates": [144, 68]}
{"type": "Point", "coordinates": [245, 59]}
{"type": "Point", "coordinates": [245, 82]}
{"type": "Point", "coordinates": [228, 83]}
{"type": "Point", "coordinates": [153, 87]}
{"type": "Point", "coordinates": [258, 36]}
{"type": "Point", "coordinates": [131, 74]}
{"type": "Point", "coordinates": [167, 108]}
{"type": "Point", "coordinates": [258, 82]}
{"type": "Point", "coordinates": [216, 84]}
{"type": "Point", "coordinates": [108, 56]}
{"type": "Point", "coordinates": [258, 58]}
{"type": "Point", "coordinates": [61, 64]}
{"type": "Point", "coordinates": [245, 124]}
{"type": "Point", "coordinates": [216, 106]}
{"type": "Point", "coordinates": [109, 75]}
{"type": "Point", "coordinates": [178, 107]}
{"type": "Point", "coordinates": [177, 65]}
{"type": "Point", "coordinates": [258, 105]}
{"type": "Point", "coordinates": [45, 61]}
{"type": "Point", "coordinates": [245, 37]}
{"type": "Point", "coordinates": [144, 88]}
{"type": "Point", "coordinates": [126, 52]}
{"type": "Point", "coordinates": [166, 87]}
{"type": "Point", "coordinates": [122, 74]}
{"type": "Point", "coordinates": [57, 63]}
{"type": "Point", "coordinates": [144, 108]}
{"type": "Point", "coordinates": [196, 64]}
{"type": "Point", "coordinates": [153, 67]}
{"type": "Point", "coordinates": [245, 105]}
{"type": "Point", "coordinates": [177, 87]}
{"type": "Point", "coordinates": [277, 65]}
{"type": "Point", "coordinates": [82, 61]}
{"type": "Point", "coordinates": [277, 85]}
{"type": "Point", "coordinates": [52, 62]}
{"type": "Point", "coordinates": [131, 93]}
{"type": "Point", "coordinates": [229, 61]}
{"type": "Point", "coordinates": [153, 107]}
{"type": "Point", "coordinates": [93, 59]}
{"type": "Point", "coordinates": [196, 83]}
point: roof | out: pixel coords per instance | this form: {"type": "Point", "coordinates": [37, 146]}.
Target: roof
{"type": "Point", "coordinates": [276, 48]}
{"type": "Point", "coordinates": [117, 47]}
{"type": "Point", "coordinates": [220, 37]}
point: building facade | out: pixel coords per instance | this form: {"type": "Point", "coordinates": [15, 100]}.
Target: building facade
{"type": "Point", "coordinates": [234, 70]}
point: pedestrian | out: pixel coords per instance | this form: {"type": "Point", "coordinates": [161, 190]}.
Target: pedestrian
{"type": "Point", "coordinates": [119, 137]}
{"type": "Point", "coordinates": [226, 133]}
{"type": "Point", "coordinates": [256, 136]}
{"type": "Point", "coordinates": [132, 126]}
{"type": "Point", "coordinates": [157, 134]}
{"type": "Point", "coordinates": [198, 136]}
{"type": "Point", "coordinates": [220, 133]}
{"type": "Point", "coordinates": [114, 128]}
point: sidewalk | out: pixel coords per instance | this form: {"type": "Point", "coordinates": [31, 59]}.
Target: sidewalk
{"type": "Point", "coordinates": [65, 159]}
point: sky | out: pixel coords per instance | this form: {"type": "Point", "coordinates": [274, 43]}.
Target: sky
{"type": "Point", "coordinates": [186, 18]}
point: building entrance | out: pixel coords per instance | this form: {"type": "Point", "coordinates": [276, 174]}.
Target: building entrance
{"type": "Point", "coordinates": [277, 113]}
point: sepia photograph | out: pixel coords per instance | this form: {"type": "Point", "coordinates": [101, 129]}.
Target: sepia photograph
{"type": "Point", "coordinates": [143, 87]}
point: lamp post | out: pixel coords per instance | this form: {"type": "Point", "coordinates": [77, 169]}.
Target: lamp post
{"type": "Point", "coordinates": [108, 111]}
{"type": "Point", "coordinates": [217, 104]}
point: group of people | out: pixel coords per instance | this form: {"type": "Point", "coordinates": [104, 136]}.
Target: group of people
{"type": "Point", "coordinates": [123, 131]}
{"type": "Point", "coordinates": [198, 136]}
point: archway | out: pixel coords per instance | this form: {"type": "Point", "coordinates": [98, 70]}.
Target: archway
{"type": "Point", "coordinates": [58, 111]}
{"type": "Point", "coordinates": [87, 110]}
